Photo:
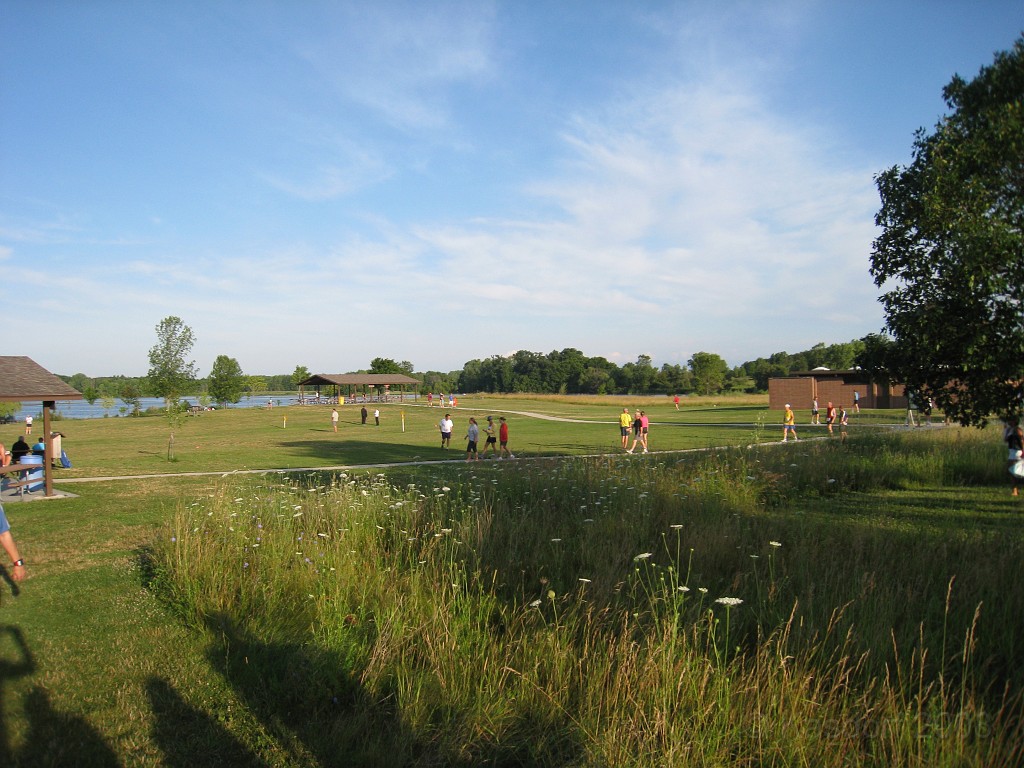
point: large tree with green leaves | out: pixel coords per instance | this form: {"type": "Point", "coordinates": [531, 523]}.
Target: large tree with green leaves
{"type": "Point", "coordinates": [386, 365]}
{"type": "Point", "coordinates": [226, 382]}
{"type": "Point", "coordinates": [951, 253]}
{"type": "Point", "coordinates": [171, 373]}
{"type": "Point", "coordinates": [300, 374]}
{"type": "Point", "coordinates": [709, 372]}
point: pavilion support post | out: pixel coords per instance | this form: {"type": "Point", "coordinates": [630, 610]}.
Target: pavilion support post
{"type": "Point", "coordinates": [48, 405]}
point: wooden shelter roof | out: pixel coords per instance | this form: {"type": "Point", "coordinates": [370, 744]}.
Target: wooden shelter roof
{"type": "Point", "coordinates": [358, 379]}
{"type": "Point", "coordinates": [21, 378]}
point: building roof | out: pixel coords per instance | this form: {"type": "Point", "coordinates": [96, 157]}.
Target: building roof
{"type": "Point", "coordinates": [21, 378]}
{"type": "Point", "coordinates": [358, 379]}
{"type": "Point", "coordinates": [824, 373]}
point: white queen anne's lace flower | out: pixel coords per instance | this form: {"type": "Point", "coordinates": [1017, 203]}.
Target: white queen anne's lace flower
{"type": "Point", "coordinates": [729, 601]}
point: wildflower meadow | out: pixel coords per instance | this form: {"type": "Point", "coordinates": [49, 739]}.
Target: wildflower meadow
{"type": "Point", "coordinates": [821, 604]}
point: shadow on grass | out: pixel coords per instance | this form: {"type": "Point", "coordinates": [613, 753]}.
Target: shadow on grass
{"type": "Point", "coordinates": [304, 693]}
{"type": "Point", "coordinates": [311, 696]}
{"type": "Point", "coordinates": [183, 732]}
{"type": "Point", "coordinates": [343, 451]}
{"type": "Point", "coordinates": [356, 452]}
{"type": "Point", "coordinates": [53, 738]}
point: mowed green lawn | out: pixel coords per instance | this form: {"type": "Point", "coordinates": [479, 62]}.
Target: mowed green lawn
{"type": "Point", "coordinates": [302, 436]}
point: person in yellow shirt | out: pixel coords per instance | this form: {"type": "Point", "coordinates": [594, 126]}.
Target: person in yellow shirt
{"type": "Point", "coordinates": [789, 423]}
{"type": "Point", "coordinates": [625, 422]}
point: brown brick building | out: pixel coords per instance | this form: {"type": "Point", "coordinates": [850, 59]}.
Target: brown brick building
{"type": "Point", "coordinates": [800, 389]}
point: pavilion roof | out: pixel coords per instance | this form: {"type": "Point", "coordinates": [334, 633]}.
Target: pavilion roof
{"type": "Point", "coordinates": [21, 378]}
{"type": "Point", "coordinates": [358, 379]}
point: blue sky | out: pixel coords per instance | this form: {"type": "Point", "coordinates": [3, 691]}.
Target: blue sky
{"type": "Point", "coordinates": [322, 183]}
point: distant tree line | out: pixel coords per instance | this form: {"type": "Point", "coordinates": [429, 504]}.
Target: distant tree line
{"type": "Point", "coordinates": [705, 373]}
{"type": "Point", "coordinates": [568, 371]}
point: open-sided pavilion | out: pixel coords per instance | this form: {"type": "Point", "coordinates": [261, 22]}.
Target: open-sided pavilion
{"type": "Point", "coordinates": [24, 380]}
{"type": "Point", "coordinates": [356, 381]}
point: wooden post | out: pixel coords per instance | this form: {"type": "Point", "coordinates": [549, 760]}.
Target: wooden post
{"type": "Point", "coordinates": [48, 452]}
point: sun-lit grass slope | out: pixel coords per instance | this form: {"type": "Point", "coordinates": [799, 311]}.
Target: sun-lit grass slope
{"type": "Point", "coordinates": [828, 604]}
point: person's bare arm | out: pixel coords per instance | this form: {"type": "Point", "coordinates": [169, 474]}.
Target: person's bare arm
{"type": "Point", "coordinates": [18, 571]}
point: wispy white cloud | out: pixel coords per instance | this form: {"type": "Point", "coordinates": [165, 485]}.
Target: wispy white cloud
{"type": "Point", "coordinates": [400, 62]}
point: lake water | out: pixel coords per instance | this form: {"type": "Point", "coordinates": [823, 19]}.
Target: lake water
{"type": "Point", "coordinates": [79, 409]}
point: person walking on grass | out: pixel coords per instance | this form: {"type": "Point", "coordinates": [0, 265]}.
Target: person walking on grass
{"type": "Point", "coordinates": [830, 417]}
{"type": "Point", "coordinates": [844, 421]}
{"type": "Point", "coordinates": [911, 407]}
{"type": "Point", "coordinates": [446, 425]}
{"type": "Point", "coordinates": [376, 416]}
{"type": "Point", "coordinates": [640, 425]}
{"type": "Point", "coordinates": [491, 443]}
{"type": "Point", "coordinates": [334, 419]}
{"type": "Point", "coordinates": [625, 420]}
{"type": "Point", "coordinates": [18, 572]}
{"type": "Point", "coordinates": [504, 453]}
{"type": "Point", "coordinates": [1014, 438]}
{"type": "Point", "coordinates": [815, 413]}
{"type": "Point", "coordinates": [788, 423]}
{"type": "Point", "coordinates": [472, 435]}
{"type": "Point", "coordinates": [636, 431]}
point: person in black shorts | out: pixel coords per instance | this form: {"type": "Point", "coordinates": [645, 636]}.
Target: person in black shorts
{"type": "Point", "coordinates": [491, 444]}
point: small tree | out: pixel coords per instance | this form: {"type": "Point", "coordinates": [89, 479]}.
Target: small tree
{"type": "Point", "coordinates": [170, 370]}
{"type": "Point", "coordinates": [226, 381]}
{"type": "Point", "coordinates": [131, 396]}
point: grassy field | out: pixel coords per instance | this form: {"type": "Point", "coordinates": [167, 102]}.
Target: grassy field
{"type": "Point", "coordinates": [301, 436]}
{"type": "Point", "coordinates": [539, 612]}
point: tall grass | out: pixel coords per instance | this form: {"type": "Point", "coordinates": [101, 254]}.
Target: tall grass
{"type": "Point", "coordinates": [735, 608]}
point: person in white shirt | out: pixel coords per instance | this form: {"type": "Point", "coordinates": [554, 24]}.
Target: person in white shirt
{"type": "Point", "coordinates": [446, 425]}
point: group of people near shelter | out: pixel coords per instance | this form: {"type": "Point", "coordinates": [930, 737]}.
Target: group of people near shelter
{"type": "Point", "coordinates": [452, 401]}
{"type": "Point", "coordinates": [832, 416]}
{"type": "Point", "coordinates": [21, 448]}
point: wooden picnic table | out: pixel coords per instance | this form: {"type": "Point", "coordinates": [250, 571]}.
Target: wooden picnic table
{"type": "Point", "coordinates": [20, 484]}
{"type": "Point", "coordinates": [19, 468]}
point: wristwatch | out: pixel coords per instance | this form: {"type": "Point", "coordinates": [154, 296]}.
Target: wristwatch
{"type": "Point", "coordinates": [19, 563]}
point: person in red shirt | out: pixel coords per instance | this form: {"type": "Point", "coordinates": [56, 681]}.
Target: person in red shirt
{"type": "Point", "coordinates": [503, 440]}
